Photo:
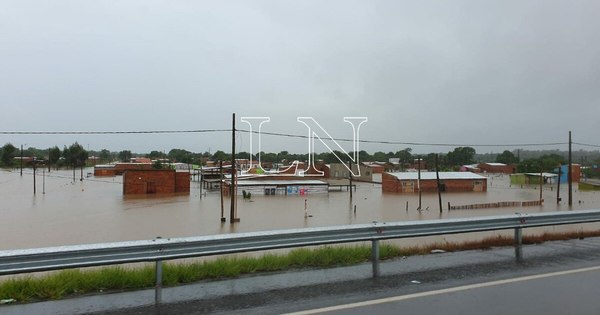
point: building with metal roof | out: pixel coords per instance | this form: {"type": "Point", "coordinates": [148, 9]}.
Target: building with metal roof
{"type": "Point", "coordinates": [411, 182]}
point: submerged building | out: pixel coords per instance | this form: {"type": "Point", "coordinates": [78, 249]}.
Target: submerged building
{"type": "Point", "coordinates": [409, 182]}
{"type": "Point", "coordinates": [136, 182]}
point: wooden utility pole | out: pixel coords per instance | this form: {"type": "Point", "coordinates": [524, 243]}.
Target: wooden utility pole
{"type": "Point", "coordinates": [541, 181]}
{"type": "Point", "coordinates": [232, 213]}
{"type": "Point", "coordinates": [21, 160]}
{"type": "Point", "coordinates": [570, 174]}
{"type": "Point", "coordinates": [419, 181]}
{"type": "Point", "coordinates": [350, 177]}
{"type": "Point", "coordinates": [558, 184]}
{"type": "Point", "coordinates": [437, 177]}
{"type": "Point", "coordinates": [43, 180]}
{"type": "Point", "coordinates": [34, 190]}
{"type": "Point", "coordinates": [221, 189]}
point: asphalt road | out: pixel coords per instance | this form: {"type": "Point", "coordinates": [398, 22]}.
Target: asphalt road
{"type": "Point", "coordinates": [566, 292]}
{"type": "Point", "coordinates": [470, 282]}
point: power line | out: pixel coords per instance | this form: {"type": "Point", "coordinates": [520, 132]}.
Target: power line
{"type": "Point", "coordinates": [108, 132]}
{"type": "Point", "coordinates": [279, 134]}
{"type": "Point", "coordinates": [587, 145]}
{"type": "Point", "coordinates": [409, 143]}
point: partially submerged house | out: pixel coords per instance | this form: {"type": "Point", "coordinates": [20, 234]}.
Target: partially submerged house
{"type": "Point", "coordinates": [409, 182]}
{"type": "Point", "coordinates": [137, 182]}
{"type": "Point", "coordinates": [277, 185]}
{"type": "Point", "coordinates": [119, 168]}
{"type": "Point", "coordinates": [497, 168]}
{"type": "Point", "coordinates": [532, 178]}
{"type": "Point", "coordinates": [575, 173]}
{"type": "Point", "coordinates": [340, 171]}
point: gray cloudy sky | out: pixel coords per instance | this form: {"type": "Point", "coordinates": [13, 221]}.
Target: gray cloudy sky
{"type": "Point", "coordinates": [465, 72]}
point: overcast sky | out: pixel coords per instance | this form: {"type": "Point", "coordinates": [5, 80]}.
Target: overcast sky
{"type": "Point", "coordinates": [454, 72]}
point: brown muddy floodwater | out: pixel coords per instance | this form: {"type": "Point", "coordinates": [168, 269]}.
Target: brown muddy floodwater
{"type": "Point", "coordinates": [94, 210]}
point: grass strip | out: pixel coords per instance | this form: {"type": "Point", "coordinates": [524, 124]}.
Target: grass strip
{"type": "Point", "coordinates": [73, 282]}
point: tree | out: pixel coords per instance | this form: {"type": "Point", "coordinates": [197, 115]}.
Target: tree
{"type": "Point", "coordinates": [545, 163]}
{"type": "Point", "coordinates": [8, 154]}
{"type": "Point", "coordinates": [461, 156]}
{"type": "Point", "coordinates": [155, 155]}
{"type": "Point", "coordinates": [125, 156]}
{"type": "Point", "coordinates": [105, 155]}
{"type": "Point", "coordinates": [75, 155]}
{"type": "Point", "coordinates": [405, 156]}
{"type": "Point", "coordinates": [221, 156]}
{"type": "Point", "coordinates": [54, 155]}
{"type": "Point", "coordinates": [180, 155]}
{"type": "Point", "coordinates": [380, 156]}
{"type": "Point", "coordinates": [507, 157]}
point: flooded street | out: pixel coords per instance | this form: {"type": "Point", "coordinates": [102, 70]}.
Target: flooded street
{"type": "Point", "coordinates": [94, 210]}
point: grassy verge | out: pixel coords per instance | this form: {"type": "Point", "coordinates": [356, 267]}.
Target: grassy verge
{"type": "Point", "coordinates": [74, 282]}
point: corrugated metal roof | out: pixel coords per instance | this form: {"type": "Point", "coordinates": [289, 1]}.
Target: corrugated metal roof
{"type": "Point", "coordinates": [253, 182]}
{"type": "Point", "coordinates": [495, 164]}
{"type": "Point", "coordinates": [431, 175]}
{"type": "Point", "coordinates": [543, 174]}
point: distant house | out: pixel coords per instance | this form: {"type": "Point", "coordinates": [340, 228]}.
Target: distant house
{"type": "Point", "coordinates": [119, 168]}
{"type": "Point", "coordinates": [278, 185]}
{"type": "Point", "coordinates": [473, 168]}
{"type": "Point", "coordinates": [576, 173]}
{"type": "Point", "coordinates": [137, 182]}
{"type": "Point", "coordinates": [419, 163]}
{"type": "Point", "coordinates": [339, 171]}
{"type": "Point", "coordinates": [142, 160]}
{"type": "Point", "coordinates": [532, 178]}
{"type": "Point", "coordinates": [408, 182]}
{"type": "Point", "coordinates": [497, 168]}
{"type": "Point", "coordinates": [375, 168]}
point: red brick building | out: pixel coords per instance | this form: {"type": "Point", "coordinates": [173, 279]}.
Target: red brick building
{"type": "Point", "coordinates": [497, 168]}
{"type": "Point", "coordinates": [119, 168]}
{"type": "Point", "coordinates": [155, 182]}
{"type": "Point", "coordinates": [408, 182]}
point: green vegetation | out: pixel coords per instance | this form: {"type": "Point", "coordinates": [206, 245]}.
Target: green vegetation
{"type": "Point", "coordinates": [588, 187]}
{"type": "Point", "coordinates": [75, 282]}
{"type": "Point", "coordinates": [545, 163]}
{"type": "Point", "coordinates": [507, 157]}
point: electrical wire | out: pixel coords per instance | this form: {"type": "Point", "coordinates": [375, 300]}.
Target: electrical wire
{"type": "Point", "coordinates": [279, 134]}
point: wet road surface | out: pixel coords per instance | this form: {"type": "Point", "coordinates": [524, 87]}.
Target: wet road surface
{"type": "Point", "coordinates": [295, 291]}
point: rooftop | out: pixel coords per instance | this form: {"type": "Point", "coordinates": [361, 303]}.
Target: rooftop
{"type": "Point", "coordinates": [431, 175]}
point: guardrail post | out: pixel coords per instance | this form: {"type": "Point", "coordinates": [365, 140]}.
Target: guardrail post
{"type": "Point", "coordinates": [519, 244]}
{"type": "Point", "coordinates": [375, 257]}
{"type": "Point", "coordinates": [158, 286]}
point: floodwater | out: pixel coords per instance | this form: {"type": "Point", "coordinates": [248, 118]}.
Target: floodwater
{"type": "Point", "coordinates": [94, 210]}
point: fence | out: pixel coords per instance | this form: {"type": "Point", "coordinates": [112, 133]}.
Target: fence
{"type": "Point", "coordinates": [158, 250]}
{"type": "Point", "coordinates": [501, 204]}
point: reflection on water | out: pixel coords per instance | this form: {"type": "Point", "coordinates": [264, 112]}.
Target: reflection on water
{"type": "Point", "coordinates": [95, 210]}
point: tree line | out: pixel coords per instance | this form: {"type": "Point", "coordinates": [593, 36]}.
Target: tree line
{"type": "Point", "coordinates": [76, 156]}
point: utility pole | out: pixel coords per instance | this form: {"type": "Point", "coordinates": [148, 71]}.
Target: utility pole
{"type": "Point", "coordinates": [350, 177]}
{"type": "Point", "coordinates": [541, 181]}
{"type": "Point", "coordinates": [34, 176]}
{"type": "Point", "coordinates": [21, 160]}
{"type": "Point", "coordinates": [232, 214]}
{"type": "Point", "coordinates": [43, 180]}
{"type": "Point", "coordinates": [437, 176]}
{"type": "Point", "coordinates": [419, 181]}
{"type": "Point", "coordinates": [221, 189]}
{"type": "Point", "coordinates": [558, 184]}
{"type": "Point", "coordinates": [570, 174]}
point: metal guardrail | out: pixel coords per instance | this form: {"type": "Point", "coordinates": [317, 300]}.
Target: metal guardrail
{"type": "Point", "coordinates": [157, 250]}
